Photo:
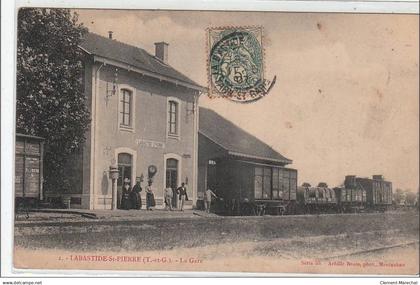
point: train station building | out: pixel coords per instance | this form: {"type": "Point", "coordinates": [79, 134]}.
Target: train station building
{"type": "Point", "coordinates": [145, 121]}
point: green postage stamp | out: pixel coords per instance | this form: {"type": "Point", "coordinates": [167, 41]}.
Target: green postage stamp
{"type": "Point", "coordinates": [236, 64]}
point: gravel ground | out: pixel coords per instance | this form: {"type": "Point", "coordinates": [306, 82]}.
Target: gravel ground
{"type": "Point", "coordinates": [309, 244]}
{"type": "Point", "coordinates": [190, 230]}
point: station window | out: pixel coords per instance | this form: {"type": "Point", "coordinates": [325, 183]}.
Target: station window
{"type": "Point", "coordinates": [126, 108]}
{"type": "Point", "coordinates": [173, 110]}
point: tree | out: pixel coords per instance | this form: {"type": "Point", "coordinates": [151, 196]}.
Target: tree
{"type": "Point", "coordinates": [410, 197]}
{"type": "Point", "coordinates": [398, 196]}
{"type": "Point", "coordinates": [50, 98]}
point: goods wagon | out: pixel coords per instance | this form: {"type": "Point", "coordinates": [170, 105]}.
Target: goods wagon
{"type": "Point", "coordinates": [351, 197]}
{"type": "Point", "coordinates": [248, 188]}
{"type": "Point", "coordinates": [28, 169]}
{"type": "Point", "coordinates": [356, 195]}
{"type": "Point", "coordinates": [275, 190]}
{"type": "Point", "coordinates": [378, 192]}
{"type": "Point", "coordinates": [320, 199]}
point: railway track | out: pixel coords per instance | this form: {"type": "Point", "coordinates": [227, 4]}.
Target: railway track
{"type": "Point", "coordinates": [372, 250]}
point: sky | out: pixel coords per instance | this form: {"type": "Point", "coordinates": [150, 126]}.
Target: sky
{"type": "Point", "coordinates": [346, 99]}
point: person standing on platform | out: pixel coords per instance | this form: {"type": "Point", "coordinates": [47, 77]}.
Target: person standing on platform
{"type": "Point", "coordinates": [168, 194]}
{"type": "Point", "coordinates": [125, 199]}
{"type": "Point", "coordinates": [182, 190]}
{"type": "Point", "coordinates": [150, 196]}
{"type": "Point", "coordinates": [207, 199]}
{"type": "Point", "coordinates": [175, 195]}
{"type": "Point", "coordinates": [135, 195]}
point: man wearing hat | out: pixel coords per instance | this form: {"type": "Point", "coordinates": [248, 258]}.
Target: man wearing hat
{"type": "Point", "coordinates": [182, 190]}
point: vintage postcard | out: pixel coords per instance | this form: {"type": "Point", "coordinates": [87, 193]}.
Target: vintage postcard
{"type": "Point", "coordinates": [217, 141]}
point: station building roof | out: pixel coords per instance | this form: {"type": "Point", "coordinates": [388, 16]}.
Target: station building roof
{"type": "Point", "coordinates": [134, 58]}
{"type": "Point", "coordinates": [236, 141]}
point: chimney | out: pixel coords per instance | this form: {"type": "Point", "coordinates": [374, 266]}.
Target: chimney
{"type": "Point", "coordinates": [110, 34]}
{"type": "Point", "coordinates": [161, 51]}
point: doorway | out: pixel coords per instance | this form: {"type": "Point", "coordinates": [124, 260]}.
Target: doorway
{"type": "Point", "coordinates": [172, 178]}
{"type": "Point", "coordinates": [124, 171]}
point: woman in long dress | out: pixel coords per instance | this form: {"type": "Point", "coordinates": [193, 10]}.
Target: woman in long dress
{"type": "Point", "coordinates": [135, 195]}
{"type": "Point", "coordinates": [125, 199]}
{"type": "Point", "coordinates": [150, 197]}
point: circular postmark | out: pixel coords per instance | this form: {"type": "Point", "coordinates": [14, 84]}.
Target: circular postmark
{"type": "Point", "coordinates": [236, 66]}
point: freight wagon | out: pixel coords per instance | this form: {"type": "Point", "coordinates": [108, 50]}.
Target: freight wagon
{"type": "Point", "coordinates": [378, 192]}
{"type": "Point", "coordinates": [250, 188]}
{"type": "Point", "coordinates": [316, 199]}
{"type": "Point", "coordinates": [28, 170]}
{"type": "Point", "coordinates": [357, 194]}
{"type": "Point", "coordinates": [351, 197]}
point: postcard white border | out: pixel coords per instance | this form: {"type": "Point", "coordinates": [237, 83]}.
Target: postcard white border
{"type": "Point", "coordinates": [8, 55]}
